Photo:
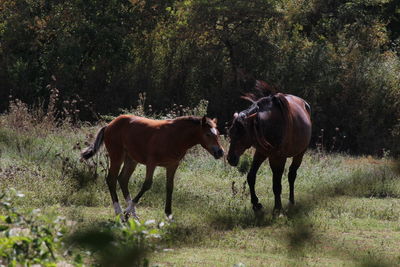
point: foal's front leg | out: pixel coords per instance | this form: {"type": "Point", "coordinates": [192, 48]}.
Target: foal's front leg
{"type": "Point", "coordinates": [258, 159]}
{"type": "Point", "coordinates": [170, 187]}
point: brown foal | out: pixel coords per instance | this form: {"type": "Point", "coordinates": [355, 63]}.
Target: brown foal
{"type": "Point", "coordinates": [131, 140]}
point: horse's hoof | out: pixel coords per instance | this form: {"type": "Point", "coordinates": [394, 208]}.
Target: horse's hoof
{"type": "Point", "coordinates": [169, 218]}
{"type": "Point", "coordinates": [257, 207]}
{"type": "Point", "coordinates": [277, 213]}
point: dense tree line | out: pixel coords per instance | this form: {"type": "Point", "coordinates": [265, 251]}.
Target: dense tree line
{"type": "Point", "coordinates": [340, 55]}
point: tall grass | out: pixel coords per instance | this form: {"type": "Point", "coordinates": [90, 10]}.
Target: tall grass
{"type": "Point", "coordinates": [347, 210]}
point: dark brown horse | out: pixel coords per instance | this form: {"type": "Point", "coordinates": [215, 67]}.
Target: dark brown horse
{"type": "Point", "coordinates": [278, 126]}
{"type": "Point", "coordinates": [132, 140]}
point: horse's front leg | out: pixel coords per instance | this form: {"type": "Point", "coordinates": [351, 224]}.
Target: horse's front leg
{"type": "Point", "coordinates": [258, 159]}
{"type": "Point", "coordinates": [170, 187]}
{"type": "Point", "coordinates": [277, 166]}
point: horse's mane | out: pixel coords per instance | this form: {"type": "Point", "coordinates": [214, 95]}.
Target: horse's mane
{"type": "Point", "coordinates": [261, 89]}
{"type": "Point", "coordinates": [264, 90]}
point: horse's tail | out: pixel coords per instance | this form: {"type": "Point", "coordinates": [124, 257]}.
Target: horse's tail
{"type": "Point", "coordinates": [287, 116]}
{"type": "Point", "coordinates": [91, 150]}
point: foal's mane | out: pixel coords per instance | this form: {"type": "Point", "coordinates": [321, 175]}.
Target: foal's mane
{"type": "Point", "coordinates": [193, 119]}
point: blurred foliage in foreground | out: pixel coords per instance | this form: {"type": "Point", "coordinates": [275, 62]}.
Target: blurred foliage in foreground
{"type": "Point", "coordinates": [35, 237]}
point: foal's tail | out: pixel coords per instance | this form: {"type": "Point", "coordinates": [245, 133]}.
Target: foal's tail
{"type": "Point", "coordinates": [91, 150]}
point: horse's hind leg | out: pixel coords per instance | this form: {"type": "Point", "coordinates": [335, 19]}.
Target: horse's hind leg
{"type": "Point", "coordinates": [296, 162]}
{"type": "Point", "coordinates": [277, 166]}
{"type": "Point", "coordinates": [123, 179]}
{"type": "Point", "coordinates": [258, 159]}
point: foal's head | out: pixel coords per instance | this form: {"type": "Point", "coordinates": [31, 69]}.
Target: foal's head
{"type": "Point", "coordinates": [209, 137]}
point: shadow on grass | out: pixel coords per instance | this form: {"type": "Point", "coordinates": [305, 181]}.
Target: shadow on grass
{"type": "Point", "coordinates": [228, 218]}
{"type": "Point", "coordinates": [299, 229]}
{"type": "Point", "coordinates": [181, 199]}
{"type": "Point", "coordinates": [379, 182]}
{"type": "Point", "coordinates": [179, 234]}
{"type": "Point", "coordinates": [113, 243]}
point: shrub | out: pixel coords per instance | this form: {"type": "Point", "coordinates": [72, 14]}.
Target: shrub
{"type": "Point", "coordinates": [28, 237]}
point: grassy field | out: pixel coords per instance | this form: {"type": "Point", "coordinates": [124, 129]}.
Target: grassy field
{"type": "Point", "coordinates": [347, 211]}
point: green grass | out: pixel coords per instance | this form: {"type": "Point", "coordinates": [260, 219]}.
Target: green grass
{"type": "Point", "coordinates": [347, 211]}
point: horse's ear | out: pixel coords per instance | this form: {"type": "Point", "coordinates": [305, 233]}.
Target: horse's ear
{"type": "Point", "coordinates": [275, 99]}
{"type": "Point", "coordinates": [249, 97]}
{"type": "Point", "coordinates": [204, 121]}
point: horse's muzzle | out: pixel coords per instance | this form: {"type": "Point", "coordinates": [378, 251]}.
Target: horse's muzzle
{"type": "Point", "coordinates": [217, 152]}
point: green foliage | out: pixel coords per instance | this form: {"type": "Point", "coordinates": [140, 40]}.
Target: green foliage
{"type": "Point", "coordinates": [341, 56]}
{"type": "Point", "coordinates": [169, 113]}
{"type": "Point", "coordinates": [30, 237]}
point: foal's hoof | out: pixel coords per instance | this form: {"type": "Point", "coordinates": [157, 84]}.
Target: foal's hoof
{"type": "Point", "coordinates": [129, 214]}
{"type": "Point", "coordinates": [257, 207]}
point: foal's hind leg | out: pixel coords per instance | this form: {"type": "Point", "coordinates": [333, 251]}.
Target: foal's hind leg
{"type": "Point", "coordinates": [111, 179]}
{"type": "Point", "coordinates": [258, 159]}
{"type": "Point", "coordinates": [292, 175]}
{"type": "Point", "coordinates": [123, 179]}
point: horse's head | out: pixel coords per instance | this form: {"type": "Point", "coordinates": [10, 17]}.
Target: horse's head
{"type": "Point", "coordinates": [209, 137]}
{"type": "Point", "coordinates": [240, 139]}
{"type": "Point", "coordinates": [274, 126]}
